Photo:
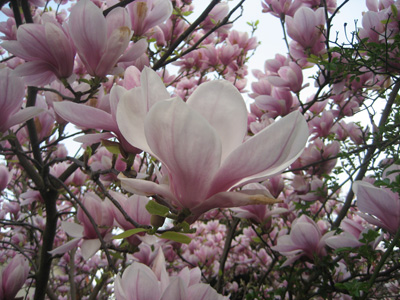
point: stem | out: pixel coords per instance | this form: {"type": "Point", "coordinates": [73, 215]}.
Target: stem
{"type": "Point", "coordinates": [227, 247]}
{"type": "Point", "coordinates": [368, 156]}
{"type": "Point", "coordinates": [382, 262]}
{"type": "Point", "coordinates": [50, 196]}
{"type": "Point", "coordinates": [184, 35]}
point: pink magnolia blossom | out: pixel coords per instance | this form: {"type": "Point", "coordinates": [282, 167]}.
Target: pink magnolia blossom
{"type": "Point", "coordinates": [13, 277]}
{"type": "Point", "coordinates": [378, 206]}
{"type": "Point", "coordinates": [146, 14]}
{"type": "Point", "coordinates": [305, 239]}
{"type": "Point", "coordinates": [99, 40]}
{"type": "Point", "coordinates": [305, 26]}
{"type": "Point", "coordinates": [353, 233]}
{"type": "Point", "coordinates": [47, 50]}
{"type": "Point", "coordinates": [200, 144]}
{"type": "Point", "coordinates": [11, 97]}
{"type": "Point", "coordinates": [281, 8]}
{"type": "Point", "coordinates": [140, 282]}
{"type": "Point", "coordinates": [289, 77]}
{"type": "Point", "coordinates": [85, 234]}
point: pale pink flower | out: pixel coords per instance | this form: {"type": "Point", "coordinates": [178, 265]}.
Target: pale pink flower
{"type": "Point", "coordinates": [47, 50]}
{"type": "Point", "coordinates": [85, 234]}
{"type": "Point", "coordinates": [305, 239]}
{"type": "Point", "coordinates": [146, 14]}
{"type": "Point", "coordinates": [200, 145]}
{"type": "Point", "coordinates": [140, 282]}
{"type": "Point", "coordinates": [99, 40]}
{"type": "Point", "coordinates": [305, 26]}
{"type": "Point", "coordinates": [11, 97]}
{"type": "Point", "coordinates": [13, 277]}
{"type": "Point", "coordinates": [378, 206]}
{"type": "Point", "coordinates": [289, 77]}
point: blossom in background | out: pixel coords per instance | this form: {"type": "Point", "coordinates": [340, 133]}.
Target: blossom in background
{"type": "Point", "coordinates": [102, 214]}
{"type": "Point", "coordinates": [305, 239]}
{"type": "Point", "coordinates": [100, 41]}
{"type": "Point", "coordinates": [200, 145]}
{"type": "Point", "coordinates": [13, 277]}
{"type": "Point", "coordinates": [378, 206]}
{"type": "Point", "coordinates": [140, 282]}
{"type": "Point", "coordinates": [11, 97]}
{"type": "Point", "coordinates": [146, 14]}
{"type": "Point", "coordinates": [47, 50]}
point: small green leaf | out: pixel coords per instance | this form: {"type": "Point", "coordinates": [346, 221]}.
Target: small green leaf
{"type": "Point", "coordinates": [155, 208]}
{"type": "Point", "coordinates": [111, 146]}
{"type": "Point", "coordinates": [176, 236]}
{"type": "Point", "coordinates": [129, 233]}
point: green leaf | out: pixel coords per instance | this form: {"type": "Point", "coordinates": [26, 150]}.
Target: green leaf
{"type": "Point", "coordinates": [111, 146]}
{"type": "Point", "coordinates": [176, 236]}
{"type": "Point", "coordinates": [128, 233]}
{"type": "Point", "coordinates": [155, 208]}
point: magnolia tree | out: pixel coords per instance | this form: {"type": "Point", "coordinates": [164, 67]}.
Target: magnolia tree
{"type": "Point", "coordinates": [178, 191]}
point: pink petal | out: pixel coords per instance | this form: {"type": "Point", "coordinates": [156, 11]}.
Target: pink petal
{"type": "Point", "coordinates": [131, 113]}
{"type": "Point", "coordinates": [139, 282]}
{"type": "Point", "coordinates": [60, 49]}
{"type": "Point", "coordinates": [72, 244]}
{"type": "Point", "coordinates": [116, 45]}
{"type": "Point", "coordinates": [223, 106]}
{"type": "Point", "coordinates": [234, 199]}
{"type": "Point", "coordinates": [145, 187]}
{"type": "Point", "coordinates": [153, 88]}
{"type": "Point", "coordinates": [36, 72]}
{"type": "Point", "coordinates": [85, 116]}
{"type": "Point", "coordinates": [305, 236]}
{"type": "Point", "coordinates": [89, 248]}
{"type": "Point", "coordinates": [22, 116]}
{"type": "Point", "coordinates": [72, 229]}
{"type": "Point", "coordinates": [176, 290]}
{"type": "Point", "coordinates": [265, 154]}
{"type": "Point", "coordinates": [134, 51]}
{"type": "Point", "coordinates": [88, 30]}
{"type": "Point", "coordinates": [12, 93]}
{"type": "Point", "coordinates": [342, 240]}
{"type": "Point", "coordinates": [187, 145]}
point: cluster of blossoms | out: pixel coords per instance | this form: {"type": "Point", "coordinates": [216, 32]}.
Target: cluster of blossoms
{"type": "Point", "coordinates": [178, 191]}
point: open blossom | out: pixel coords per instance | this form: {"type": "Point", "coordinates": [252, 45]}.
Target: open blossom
{"type": "Point", "coordinates": [99, 40]}
{"type": "Point", "coordinates": [102, 214]}
{"type": "Point", "coordinates": [378, 206]}
{"type": "Point", "coordinates": [47, 50]}
{"type": "Point", "coordinates": [305, 26]}
{"type": "Point", "coordinates": [91, 117]}
{"type": "Point", "coordinates": [305, 238]}
{"type": "Point", "coordinates": [11, 97]}
{"type": "Point", "coordinates": [140, 282]}
{"type": "Point", "coordinates": [200, 145]}
{"type": "Point", "coordinates": [146, 14]}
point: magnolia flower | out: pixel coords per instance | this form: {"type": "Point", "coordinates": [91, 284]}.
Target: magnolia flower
{"type": "Point", "coordinates": [140, 282]}
{"type": "Point", "coordinates": [99, 40]}
{"type": "Point", "coordinates": [91, 117]}
{"type": "Point", "coordinates": [380, 207]}
{"type": "Point", "coordinates": [146, 14]}
{"type": "Point", "coordinates": [11, 97]}
{"type": "Point", "coordinates": [13, 277]}
{"type": "Point", "coordinates": [200, 145]}
{"type": "Point", "coordinates": [305, 239]}
{"type": "Point", "coordinates": [85, 234]}
{"type": "Point", "coordinates": [47, 50]}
